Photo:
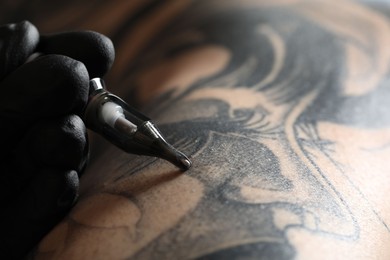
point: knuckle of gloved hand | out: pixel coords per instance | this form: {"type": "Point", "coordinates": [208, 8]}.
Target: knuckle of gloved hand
{"type": "Point", "coordinates": [71, 191]}
{"type": "Point", "coordinates": [54, 192]}
{"type": "Point", "coordinates": [95, 50]}
{"type": "Point", "coordinates": [48, 86]}
{"type": "Point", "coordinates": [59, 143]}
{"type": "Point", "coordinates": [17, 42]}
{"type": "Point", "coordinates": [74, 83]}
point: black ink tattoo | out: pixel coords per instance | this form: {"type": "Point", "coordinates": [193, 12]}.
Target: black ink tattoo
{"type": "Point", "coordinates": [265, 166]}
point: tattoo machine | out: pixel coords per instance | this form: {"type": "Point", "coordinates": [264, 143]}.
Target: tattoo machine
{"type": "Point", "coordinates": [127, 128]}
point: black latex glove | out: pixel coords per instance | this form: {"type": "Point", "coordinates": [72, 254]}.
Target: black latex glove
{"type": "Point", "coordinates": [43, 140]}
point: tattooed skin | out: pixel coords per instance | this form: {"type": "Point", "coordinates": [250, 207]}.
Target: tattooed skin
{"type": "Point", "coordinates": [283, 108]}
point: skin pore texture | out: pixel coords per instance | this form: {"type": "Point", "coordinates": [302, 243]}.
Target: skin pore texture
{"type": "Point", "coordinates": [281, 105]}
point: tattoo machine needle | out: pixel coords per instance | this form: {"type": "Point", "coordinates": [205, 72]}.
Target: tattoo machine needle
{"type": "Point", "coordinates": [127, 128]}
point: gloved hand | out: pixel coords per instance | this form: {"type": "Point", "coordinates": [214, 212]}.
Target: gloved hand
{"type": "Point", "coordinates": [44, 146]}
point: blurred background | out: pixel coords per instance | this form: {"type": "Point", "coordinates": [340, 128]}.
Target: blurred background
{"type": "Point", "coordinates": [131, 25]}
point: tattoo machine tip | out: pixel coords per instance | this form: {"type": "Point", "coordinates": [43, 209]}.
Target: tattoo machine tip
{"type": "Point", "coordinates": [127, 128]}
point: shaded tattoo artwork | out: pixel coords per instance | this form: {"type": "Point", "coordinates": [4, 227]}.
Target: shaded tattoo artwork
{"type": "Point", "coordinates": [283, 108]}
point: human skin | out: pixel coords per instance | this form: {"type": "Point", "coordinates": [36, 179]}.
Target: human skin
{"type": "Point", "coordinates": [281, 105]}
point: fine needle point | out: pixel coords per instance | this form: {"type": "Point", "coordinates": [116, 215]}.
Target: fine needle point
{"type": "Point", "coordinates": [185, 163]}
{"type": "Point", "coordinates": [171, 154]}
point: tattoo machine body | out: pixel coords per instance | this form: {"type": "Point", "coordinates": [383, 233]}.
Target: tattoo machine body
{"type": "Point", "coordinates": [127, 128]}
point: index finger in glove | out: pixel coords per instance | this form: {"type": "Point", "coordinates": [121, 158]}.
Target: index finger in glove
{"type": "Point", "coordinates": [48, 87]}
{"type": "Point", "coordinates": [51, 85]}
{"type": "Point", "coordinates": [93, 49]}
